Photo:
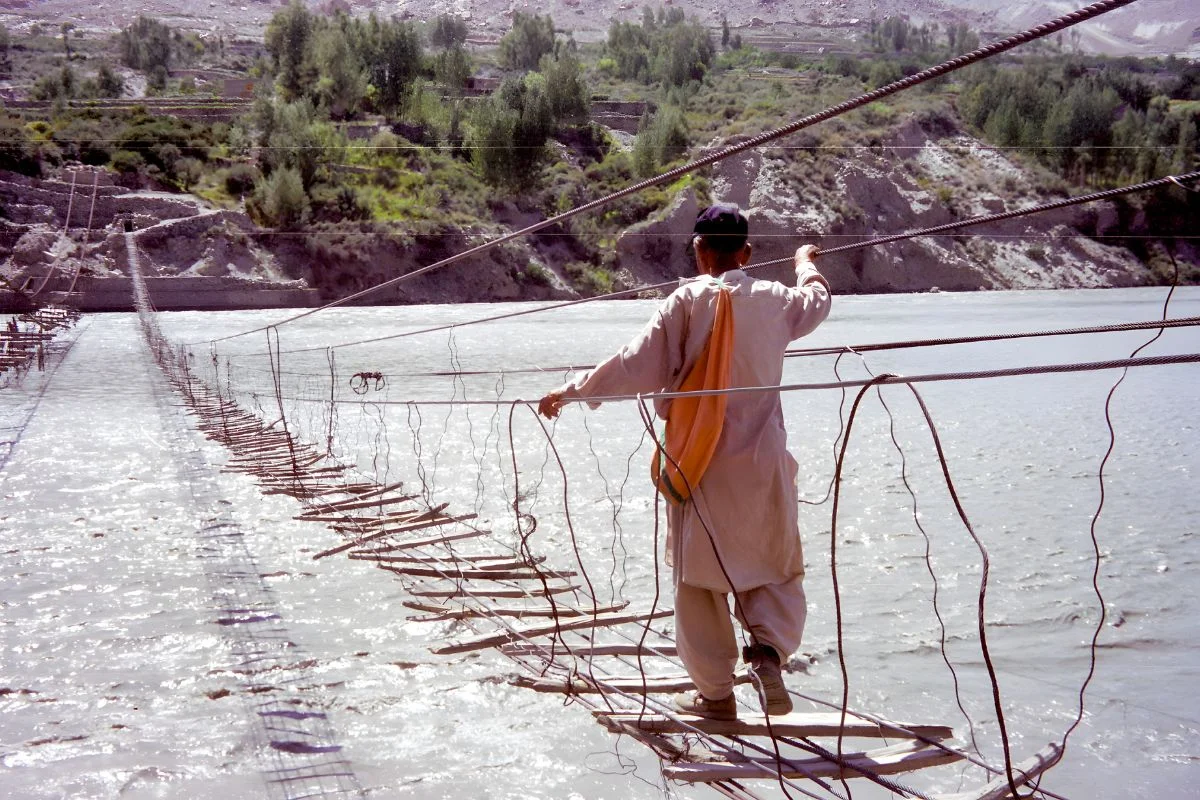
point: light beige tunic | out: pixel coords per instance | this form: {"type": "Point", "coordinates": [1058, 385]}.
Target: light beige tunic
{"type": "Point", "coordinates": [746, 502]}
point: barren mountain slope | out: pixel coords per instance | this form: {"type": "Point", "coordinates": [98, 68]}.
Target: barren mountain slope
{"type": "Point", "coordinates": [1148, 27]}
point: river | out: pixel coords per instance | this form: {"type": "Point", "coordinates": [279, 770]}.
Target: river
{"type": "Point", "coordinates": [115, 680]}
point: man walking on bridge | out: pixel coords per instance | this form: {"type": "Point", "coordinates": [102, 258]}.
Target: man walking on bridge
{"type": "Point", "coordinates": [725, 469]}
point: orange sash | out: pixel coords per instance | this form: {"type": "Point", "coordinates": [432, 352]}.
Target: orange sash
{"type": "Point", "coordinates": [694, 423]}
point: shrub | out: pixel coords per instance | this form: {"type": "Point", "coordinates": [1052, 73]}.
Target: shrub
{"type": "Point", "coordinates": [240, 179]}
{"type": "Point", "coordinates": [281, 199]}
{"type": "Point", "coordinates": [17, 152]}
{"type": "Point", "coordinates": [661, 139]}
{"type": "Point", "coordinates": [126, 161]}
{"type": "Point", "coordinates": [187, 171]}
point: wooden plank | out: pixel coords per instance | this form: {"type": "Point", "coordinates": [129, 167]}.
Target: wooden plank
{"type": "Point", "coordinates": [301, 458]}
{"type": "Point", "coordinates": [443, 564]}
{"type": "Point", "coordinates": [405, 516]}
{"type": "Point", "coordinates": [503, 611]}
{"type": "Point", "coordinates": [356, 503]}
{"type": "Point", "coordinates": [434, 515]}
{"type": "Point", "coordinates": [586, 650]}
{"type": "Point", "coordinates": [1024, 772]}
{"type": "Point", "coordinates": [414, 526]}
{"type": "Point", "coordinates": [425, 542]}
{"type": "Point", "coordinates": [799, 724]}
{"type": "Point", "coordinates": [904, 757]}
{"type": "Point", "coordinates": [365, 522]}
{"type": "Point", "coordinates": [450, 573]}
{"type": "Point", "coordinates": [544, 629]}
{"type": "Point", "coordinates": [486, 591]}
{"type": "Point", "coordinates": [309, 489]}
{"type": "Point", "coordinates": [477, 559]}
{"type": "Point", "coordinates": [525, 561]}
{"type": "Point", "coordinates": [634, 684]}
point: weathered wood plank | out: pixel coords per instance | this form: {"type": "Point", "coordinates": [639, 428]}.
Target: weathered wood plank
{"type": "Point", "coordinates": [586, 650]}
{"type": "Point", "coordinates": [356, 503]}
{"type": "Point", "coordinates": [418, 523]}
{"type": "Point", "coordinates": [795, 724]}
{"type": "Point", "coordinates": [1024, 772]}
{"type": "Point", "coordinates": [544, 629]}
{"type": "Point", "coordinates": [631, 684]}
{"type": "Point", "coordinates": [489, 592]}
{"type": "Point", "coordinates": [477, 559]}
{"type": "Point", "coordinates": [454, 573]}
{"type": "Point", "coordinates": [365, 522]}
{"type": "Point", "coordinates": [425, 542]}
{"type": "Point", "coordinates": [440, 565]}
{"type": "Point", "coordinates": [502, 611]}
{"type": "Point", "coordinates": [904, 757]}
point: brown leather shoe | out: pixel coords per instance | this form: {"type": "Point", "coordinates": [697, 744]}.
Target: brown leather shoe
{"type": "Point", "coordinates": [701, 706]}
{"type": "Point", "coordinates": [767, 678]}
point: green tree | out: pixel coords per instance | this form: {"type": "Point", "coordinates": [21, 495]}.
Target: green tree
{"type": "Point", "coordinates": [567, 93]}
{"type": "Point", "coordinates": [282, 200]}
{"type": "Point", "coordinates": [343, 81]}
{"type": "Point", "coordinates": [293, 141]}
{"type": "Point", "coordinates": [961, 38]}
{"type": "Point", "coordinates": [188, 171]}
{"type": "Point", "coordinates": [684, 53]}
{"type": "Point", "coordinates": [882, 73]}
{"type": "Point", "coordinates": [629, 46]}
{"type": "Point", "coordinates": [668, 48]}
{"type": "Point", "coordinates": [452, 68]}
{"type": "Point", "coordinates": [393, 63]}
{"type": "Point", "coordinates": [146, 44]}
{"type": "Point", "coordinates": [66, 29]}
{"type": "Point", "coordinates": [1079, 129]}
{"type": "Point", "coordinates": [510, 132]}
{"type": "Point", "coordinates": [531, 37]}
{"type": "Point", "coordinates": [108, 83]}
{"type": "Point", "coordinates": [448, 31]}
{"type": "Point", "coordinates": [661, 138]}
{"type": "Point", "coordinates": [127, 161]}
{"type": "Point", "coordinates": [1188, 147]}
{"type": "Point", "coordinates": [156, 79]}
{"type": "Point", "coordinates": [289, 42]}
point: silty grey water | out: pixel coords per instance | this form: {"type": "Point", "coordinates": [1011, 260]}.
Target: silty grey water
{"type": "Point", "coordinates": [115, 677]}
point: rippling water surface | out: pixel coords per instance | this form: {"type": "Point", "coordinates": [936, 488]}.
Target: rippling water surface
{"type": "Point", "coordinates": [115, 680]}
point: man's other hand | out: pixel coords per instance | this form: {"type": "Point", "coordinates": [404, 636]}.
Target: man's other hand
{"type": "Point", "coordinates": [550, 405]}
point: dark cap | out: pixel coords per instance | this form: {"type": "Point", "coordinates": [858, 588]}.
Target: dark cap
{"type": "Point", "coordinates": [723, 227]}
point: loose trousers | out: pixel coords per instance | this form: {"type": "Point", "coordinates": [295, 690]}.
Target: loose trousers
{"type": "Point", "coordinates": [773, 614]}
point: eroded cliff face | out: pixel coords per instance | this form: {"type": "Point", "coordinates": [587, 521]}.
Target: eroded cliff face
{"type": "Point", "coordinates": [918, 181]}
{"type": "Point", "coordinates": [74, 222]}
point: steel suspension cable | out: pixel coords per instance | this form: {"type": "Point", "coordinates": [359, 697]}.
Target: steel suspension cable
{"type": "Point", "coordinates": [936, 377]}
{"type": "Point", "coordinates": [946, 67]}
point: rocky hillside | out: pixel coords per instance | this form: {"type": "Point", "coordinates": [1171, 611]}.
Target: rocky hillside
{"type": "Point", "coordinates": [938, 176]}
{"type": "Point", "coordinates": [936, 181]}
{"type": "Point", "coordinates": [72, 223]}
